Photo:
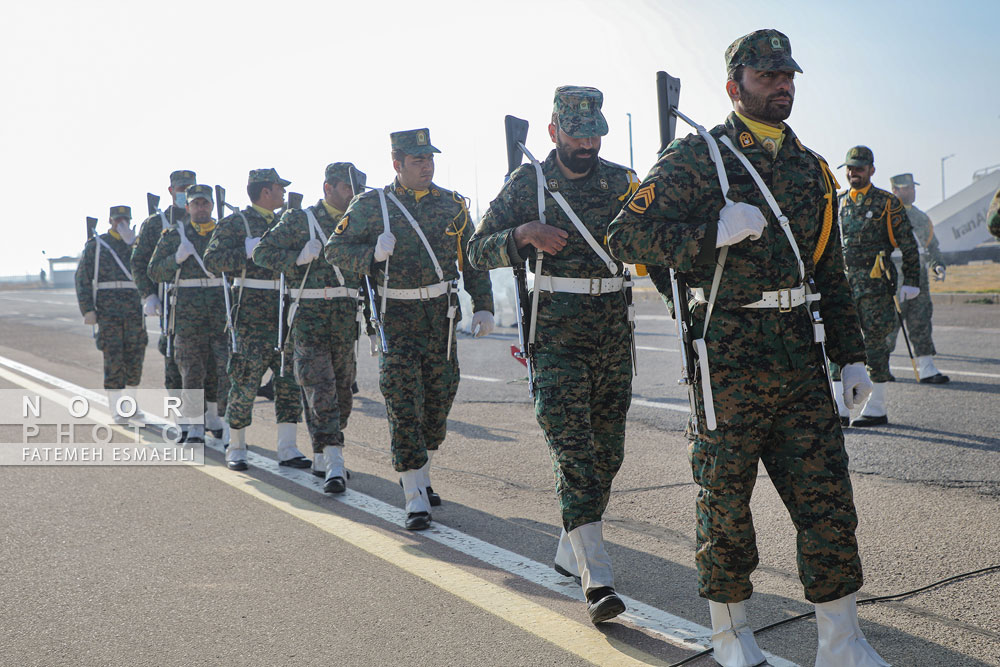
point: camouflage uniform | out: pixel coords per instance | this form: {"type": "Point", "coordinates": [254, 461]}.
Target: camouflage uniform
{"type": "Point", "coordinates": [866, 219]}
{"type": "Point", "coordinates": [582, 360]}
{"type": "Point", "coordinates": [255, 316]}
{"type": "Point", "coordinates": [325, 329]}
{"type": "Point", "coordinates": [121, 333]}
{"type": "Point", "coordinates": [417, 380]}
{"type": "Point", "coordinates": [200, 340]}
{"type": "Point", "coordinates": [993, 216]}
{"type": "Point", "coordinates": [771, 394]}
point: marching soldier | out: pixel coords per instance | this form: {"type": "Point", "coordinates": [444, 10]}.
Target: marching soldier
{"type": "Point", "coordinates": [324, 327]}
{"type": "Point", "coordinates": [993, 216]}
{"type": "Point", "coordinates": [198, 310]}
{"type": "Point", "coordinates": [762, 375]}
{"type": "Point", "coordinates": [107, 296]}
{"type": "Point", "coordinates": [582, 359]}
{"type": "Point", "coordinates": [408, 237]}
{"type": "Point", "coordinates": [918, 312]}
{"type": "Point", "coordinates": [255, 317]}
{"type": "Point", "coordinates": [872, 223]}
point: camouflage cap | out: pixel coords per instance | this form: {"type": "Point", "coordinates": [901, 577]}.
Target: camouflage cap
{"type": "Point", "coordinates": [267, 176]}
{"type": "Point", "coordinates": [578, 110]}
{"type": "Point", "coordinates": [121, 212]}
{"type": "Point", "coordinates": [413, 142]}
{"type": "Point", "coordinates": [202, 191]}
{"type": "Point", "coordinates": [902, 180]}
{"type": "Point", "coordinates": [859, 156]}
{"type": "Point", "coordinates": [182, 178]}
{"type": "Point", "coordinates": [339, 171]}
{"type": "Point", "coordinates": [767, 50]}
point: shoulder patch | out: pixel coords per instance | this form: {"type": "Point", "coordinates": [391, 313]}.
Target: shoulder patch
{"type": "Point", "coordinates": [643, 197]}
{"type": "Point", "coordinates": [342, 225]}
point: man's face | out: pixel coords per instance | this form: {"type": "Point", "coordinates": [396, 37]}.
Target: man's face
{"type": "Point", "coordinates": [578, 154]}
{"type": "Point", "coordinates": [174, 191]}
{"type": "Point", "coordinates": [200, 210]}
{"type": "Point", "coordinates": [415, 171]}
{"type": "Point", "coordinates": [906, 194]}
{"type": "Point", "coordinates": [272, 197]}
{"type": "Point", "coordinates": [861, 176]}
{"type": "Point", "coordinates": [338, 195]}
{"type": "Point", "coordinates": [763, 95]}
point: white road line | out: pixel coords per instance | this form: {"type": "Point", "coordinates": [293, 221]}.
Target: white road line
{"type": "Point", "coordinates": [656, 349]}
{"type": "Point", "coordinates": [479, 378]}
{"type": "Point", "coordinates": [662, 406]}
{"type": "Point", "coordinates": [673, 629]}
{"type": "Point", "coordinates": [658, 318]}
{"type": "Point", "coordinates": [945, 371]}
{"type": "Point", "coordinates": [51, 303]}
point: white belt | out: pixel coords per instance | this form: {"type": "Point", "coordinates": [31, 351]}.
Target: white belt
{"type": "Point", "coordinates": [256, 283]}
{"type": "Point", "coordinates": [325, 293]}
{"type": "Point", "coordinates": [116, 284]}
{"type": "Point", "coordinates": [422, 293]}
{"type": "Point", "coordinates": [784, 299]}
{"type": "Point", "coordinates": [591, 286]}
{"type": "Point", "coordinates": [199, 282]}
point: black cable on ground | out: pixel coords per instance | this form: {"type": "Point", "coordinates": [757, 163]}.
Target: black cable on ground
{"type": "Point", "coordinates": [881, 598]}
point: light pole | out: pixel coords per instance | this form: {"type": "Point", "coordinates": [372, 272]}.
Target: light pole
{"type": "Point", "coordinates": [631, 163]}
{"type": "Point", "coordinates": [942, 173]}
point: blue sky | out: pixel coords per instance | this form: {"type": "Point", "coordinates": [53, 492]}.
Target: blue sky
{"type": "Point", "coordinates": [103, 101]}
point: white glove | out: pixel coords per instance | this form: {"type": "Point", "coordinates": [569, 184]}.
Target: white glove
{"type": "Point", "coordinates": [384, 246]}
{"type": "Point", "coordinates": [737, 222]}
{"type": "Point", "coordinates": [939, 272]}
{"type": "Point", "coordinates": [373, 342]}
{"type": "Point", "coordinates": [250, 244]}
{"type": "Point", "coordinates": [857, 386]}
{"type": "Point", "coordinates": [152, 305]}
{"type": "Point", "coordinates": [127, 233]}
{"type": "Point", "coordinates": [184, 250]}
{"type": "Point", "coordinates": [908, 292]}
{"type": "Point", "coordinates": [309, 252]}
{"type": "Point", "coordinates": [90, 317]}
{"type": "Point", "coordinates": [482, 323]}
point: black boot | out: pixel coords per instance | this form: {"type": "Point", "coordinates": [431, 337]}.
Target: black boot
{"type": "Point", "coordinates": [603, 604]}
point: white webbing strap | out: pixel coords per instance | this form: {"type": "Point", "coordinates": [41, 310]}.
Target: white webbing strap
{"type": "Point", "coordinates": [538, 253]}
{"type": "Point", "coordinates": [420, 233]}
{"type": "Point", "coordinates": [197, 257]}
{"type": "Point", "coordinates": [97, 263]}
{"type": "Point", "coordinates": [97, 268]}
{"type": "Point", "coordinates": [386, 229]}
{"type": "Point", "coordinates": [316, 231]}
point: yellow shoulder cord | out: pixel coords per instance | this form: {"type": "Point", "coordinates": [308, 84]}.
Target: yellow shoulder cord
{"type": "Point", "coordinates": [831, 185]}
{"type": "Point", "coordinates": [888, 224]}
{"type": "Point", "coordinates": [455, 230]}
{"type": "Point", "coordinates": [633, 185]}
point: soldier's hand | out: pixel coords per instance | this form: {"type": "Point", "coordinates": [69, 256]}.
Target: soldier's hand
{"type": "Point", "coordinates": [857, 386]}
{"type": "Point", "coordinates": [127, 233]}
{"type": "Point", "coordinates": [250, 243]}
{"type": "Point", "coordinates": [544, 237]}
{"type": "Point", "coordinates": [184, 250]}
{"type": "Point", "coordinates": [908, 292]}
{"type": "Point", "coordinates": [309, 252]}
{"type": "Point", "coordinates": [384, 246]}
{"type": "Point", "coordinates": [152, 305]}
{"type": "Point", "coordinates": [737, 222]}
{"type": "Point", "coordinates": [482, 323]}
{"type": "Point", "coordinates": [90, 317]}
{"type": "Point", "coordinates": [939, 272]}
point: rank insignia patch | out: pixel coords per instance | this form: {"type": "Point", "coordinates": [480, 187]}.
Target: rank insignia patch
{"type": "Point", "coordinates": [643, 198]}
{"type": "Point", "coordinates": [552, 185]}
{"type": "Point", "coordinates": [746, 139]}
{"type": "Point", "coordinates": [341, 226]}
{"type": "Point", "coordinates": [604, 184]}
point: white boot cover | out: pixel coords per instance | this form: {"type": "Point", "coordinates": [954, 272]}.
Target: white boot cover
{"type": "Point", "coordinates": [733, 644]}
{"type": "Point", "coordinates": [841, 643]}
{"type": "Point", "coordinates": [116, 416]}
{"type": "Point", "coordinates": [319, 461]}
{"type": "Point", "coordinates": [237, 450]}
{"type": "Point", "coordinates": [592, 559]}
{"type": "Point", "coordinates": [838, 391]}
{"type": "Point", "coordinates": [212, 420]}
{"type": "Point", "coordinates": [926, 367]}
{"type": "Point", "coordinates": [877, 402]}
{"type": "Point", "coordinates": [334, 462]}
{"type": "Point", "coordinates": [286, 442]}
{"type": "Point", "coordinates": [414, 491]}
{"type": "Point", "coordinates": [427, 466]}
{"type": "Point", "coordinates": [197, 431]}
{"type": "Point", "coordinates": [565, 558]}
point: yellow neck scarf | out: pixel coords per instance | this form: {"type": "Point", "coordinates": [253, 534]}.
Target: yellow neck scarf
{"type": "Point", "coordinates": [334, 212]}
{"type": "Point", "coordinates": [860, 193]}
{"type": "Point", "coordinates": [767, 136]}
{"type": "Point", "coordinates": [420, 194]}
{"type": "Point", "coordinates": [268, 215]}
{"type": "Point", "coordinates": [114, 234]}
{"type": "Point", "coordinates": [203, 228]}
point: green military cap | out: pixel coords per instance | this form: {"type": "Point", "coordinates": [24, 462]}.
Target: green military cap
{"type": "Point", "coordinates": [859, 156]}
{"type": "Point", "coordinates": [182, 178]}
{"type": "Point", "coordinates": [902, 180]}
{"type": "Point", "coordinates": [267, 176]}
{"type": "Point", "coordinates": [196, 191]}
{"type": "Point", "coordinates": [767, 50]}
{"type": "Point", "coordinates": [413, 142]}
{"type": "Point", "coordinates": [121, 212]}
{"type": "Point", "coordinates": [340, 171]}
{"type": "Point", "coordinates": [578, 109]}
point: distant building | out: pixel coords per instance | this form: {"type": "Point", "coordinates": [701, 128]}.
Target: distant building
{"type": "Point", "coordinates": [62, 271]}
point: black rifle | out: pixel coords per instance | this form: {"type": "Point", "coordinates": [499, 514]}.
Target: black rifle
{"type": "Point", "coordinates": [516, 131]}
{"type": "Point", "coordinates": [668, 93]}
{"type": "Point", "coordinates": [888, 270]}
{"type": "Point", "coordinates": [91, 233]}
{"type": "Point", "coordinates": [220, 205]}
{"type": "Point", "coordinates": [294, 203]}
{"type": "Point", "coordinates": [91, 228]}
{"type": "Point", "coordinates": [358, 180]}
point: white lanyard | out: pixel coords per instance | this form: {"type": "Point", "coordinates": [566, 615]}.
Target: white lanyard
{"type": "Point", "coordinates": [197, 257]}
{"type": "Point", "coordinates": [314, 231]}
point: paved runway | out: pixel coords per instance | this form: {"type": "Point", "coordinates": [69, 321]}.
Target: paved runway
{"type": "Point", "coordinates": [199, 565]}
